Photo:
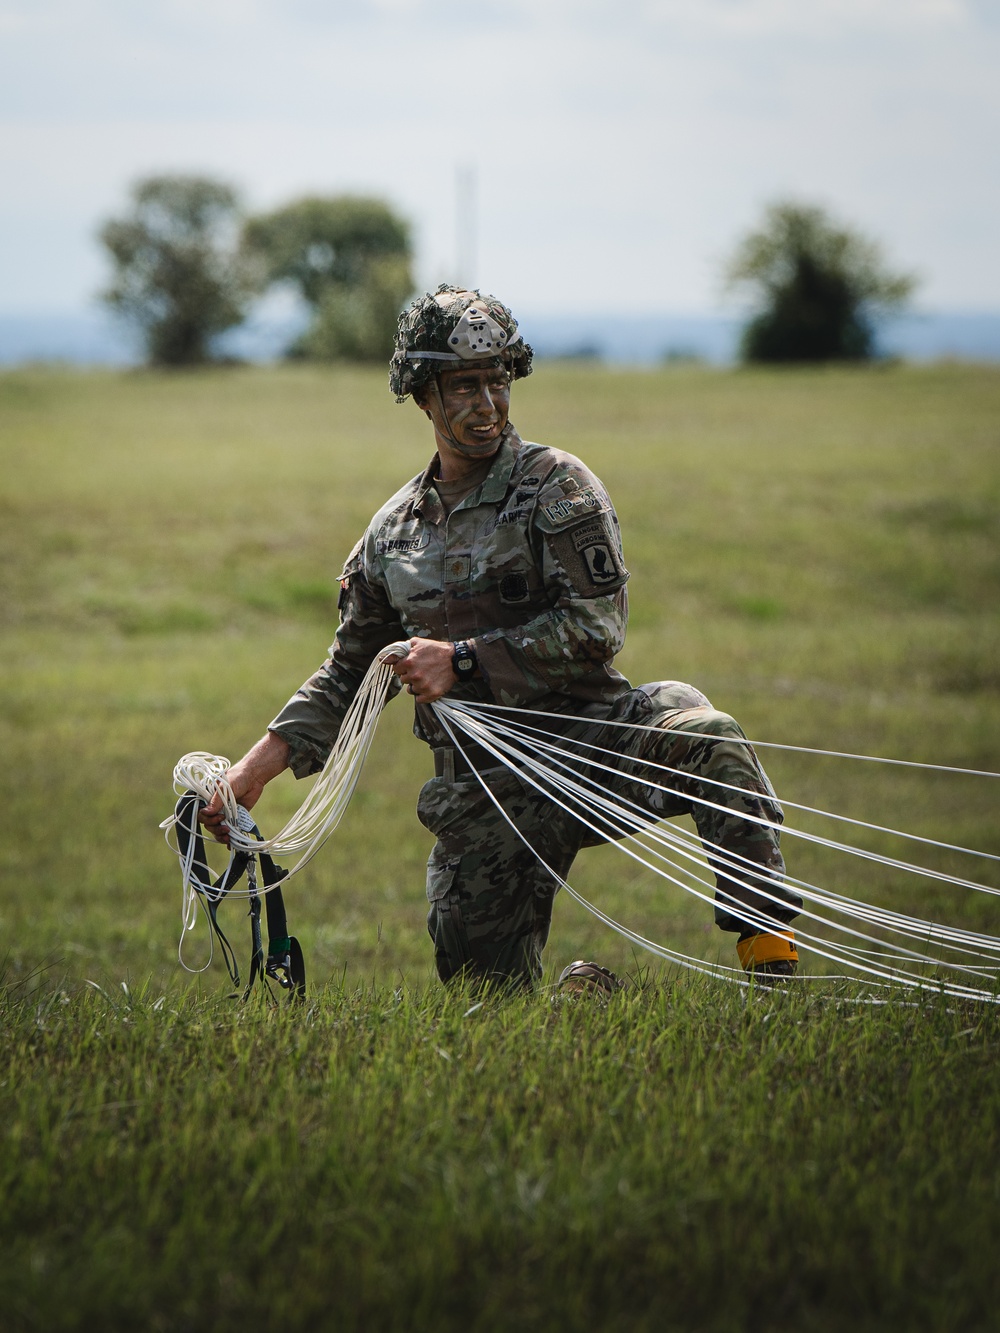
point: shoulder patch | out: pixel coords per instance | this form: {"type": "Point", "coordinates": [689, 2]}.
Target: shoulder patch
{"type": "Point", "coordinates": [599, 557]}
{"type": "Point", "coordinates": [568, 503]}
{"type": "Point", "coordinates": [591, 556]}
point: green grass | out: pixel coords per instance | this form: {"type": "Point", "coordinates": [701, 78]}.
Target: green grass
{"type": "Point", "coordinates": [387, 1160]}
{"type": "Point", "coordinates": [817, 550]}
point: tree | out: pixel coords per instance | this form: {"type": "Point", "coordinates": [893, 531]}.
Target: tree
{"type": "Point", "coordinates": [179, 273]}
{"type": "Point", "coordinates": [349, 259]}
{"type": "Point", "coordinates": [818, 288]}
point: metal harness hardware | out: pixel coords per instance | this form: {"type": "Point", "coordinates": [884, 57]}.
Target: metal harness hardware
{"type": "Point", "coordinates": [283, 962]}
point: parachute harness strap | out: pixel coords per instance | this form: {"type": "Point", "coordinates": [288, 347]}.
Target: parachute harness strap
{"type": "Point", "coordinates": [283, 963]}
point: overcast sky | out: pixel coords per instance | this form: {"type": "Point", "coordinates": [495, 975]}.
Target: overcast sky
{"type": "Point", "coordinates": [621, 147]}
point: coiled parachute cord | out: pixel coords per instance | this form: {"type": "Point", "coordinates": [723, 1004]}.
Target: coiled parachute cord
{"type": "Point", "coordinates": [198, 776]}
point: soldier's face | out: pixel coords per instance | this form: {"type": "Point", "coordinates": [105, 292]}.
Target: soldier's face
{"type": "Point", "coordinates": [475, 403]}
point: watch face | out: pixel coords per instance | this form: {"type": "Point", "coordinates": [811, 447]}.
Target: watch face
{"type": "Point", "coordinates": [464, 661]}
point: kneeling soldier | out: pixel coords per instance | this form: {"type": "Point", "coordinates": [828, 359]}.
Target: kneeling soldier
{"type": "Point", "coordinates": [502, 564]}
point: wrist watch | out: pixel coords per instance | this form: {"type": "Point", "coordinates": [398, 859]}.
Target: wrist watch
{"type": "Point", "coordinates": [464, 661]}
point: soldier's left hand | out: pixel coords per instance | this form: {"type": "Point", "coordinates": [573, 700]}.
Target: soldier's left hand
{"type": "Point", "coordinates": [427, 671]}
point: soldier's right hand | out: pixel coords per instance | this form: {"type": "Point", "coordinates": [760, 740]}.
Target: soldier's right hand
{"type": "Point", "coordinates": [247, 792]}
{"type": "Point", "coordinates": [247, 778]}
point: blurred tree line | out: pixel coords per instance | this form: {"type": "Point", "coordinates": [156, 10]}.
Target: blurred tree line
{"type": "Point", "coordinates": [189, 263]}
{"type": "Point", "coordinates": [817, 288]}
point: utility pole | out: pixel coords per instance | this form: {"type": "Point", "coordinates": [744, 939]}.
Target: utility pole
{"type": "Point", "coordinates": [466, 222]}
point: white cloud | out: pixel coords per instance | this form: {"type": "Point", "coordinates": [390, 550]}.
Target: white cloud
{"type": "Point", "coordinates": [810, 17]}
{"type": "Point", "coordinates": [621, 149]}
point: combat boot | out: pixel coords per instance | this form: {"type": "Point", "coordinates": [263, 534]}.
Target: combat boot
{"type": "Point", "coordinates": [772, 955]}
{"type": "Point", "coordinates": [582, 978]}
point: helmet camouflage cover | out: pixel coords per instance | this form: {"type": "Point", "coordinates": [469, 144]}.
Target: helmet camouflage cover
{"type": "Point", "coordinates": [450, 328]}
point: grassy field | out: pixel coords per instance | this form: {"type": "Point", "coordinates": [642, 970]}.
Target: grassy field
{"type": "Point", "coordinates": [819, 551]}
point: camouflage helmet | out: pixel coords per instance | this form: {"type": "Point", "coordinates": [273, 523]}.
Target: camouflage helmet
{"type": "Point", "coordinates": [450, 328]}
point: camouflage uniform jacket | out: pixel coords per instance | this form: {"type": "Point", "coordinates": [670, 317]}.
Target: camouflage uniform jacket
{"type": "Point", "coordinates": [528, 567]}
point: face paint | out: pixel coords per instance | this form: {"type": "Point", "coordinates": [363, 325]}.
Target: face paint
{"type": "Point", "coordinates": [471, 415]}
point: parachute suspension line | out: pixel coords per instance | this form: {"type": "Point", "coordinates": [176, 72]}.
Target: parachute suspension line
{"type": "Point", "coordinates": [732, 974]}
{"type": "Point", "coordinates": [737, 740]}
{"type": "Point", "coordinates": [549, 747]}
{"type": "Point", "coordinates": [660, 950]}
{"type": "Point", "coordinates": [681, 838]}
{"type": "Point", "coordinates": [755, 917]}
{"type": "Point", "coordinates": [618, 824]}
{"type": "Point", "coordinates": [544, 741]}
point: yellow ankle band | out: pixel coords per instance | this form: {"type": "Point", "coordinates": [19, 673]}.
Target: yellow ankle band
{"type": "Point", "coordinates": [757, 950]}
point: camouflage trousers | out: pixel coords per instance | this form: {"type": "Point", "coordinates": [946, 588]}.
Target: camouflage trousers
{"type": "Point", "coordinates": [489, 892]}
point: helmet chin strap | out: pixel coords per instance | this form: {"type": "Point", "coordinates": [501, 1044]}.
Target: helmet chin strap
{"type": "Point", "coordinates": [449, 433]}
